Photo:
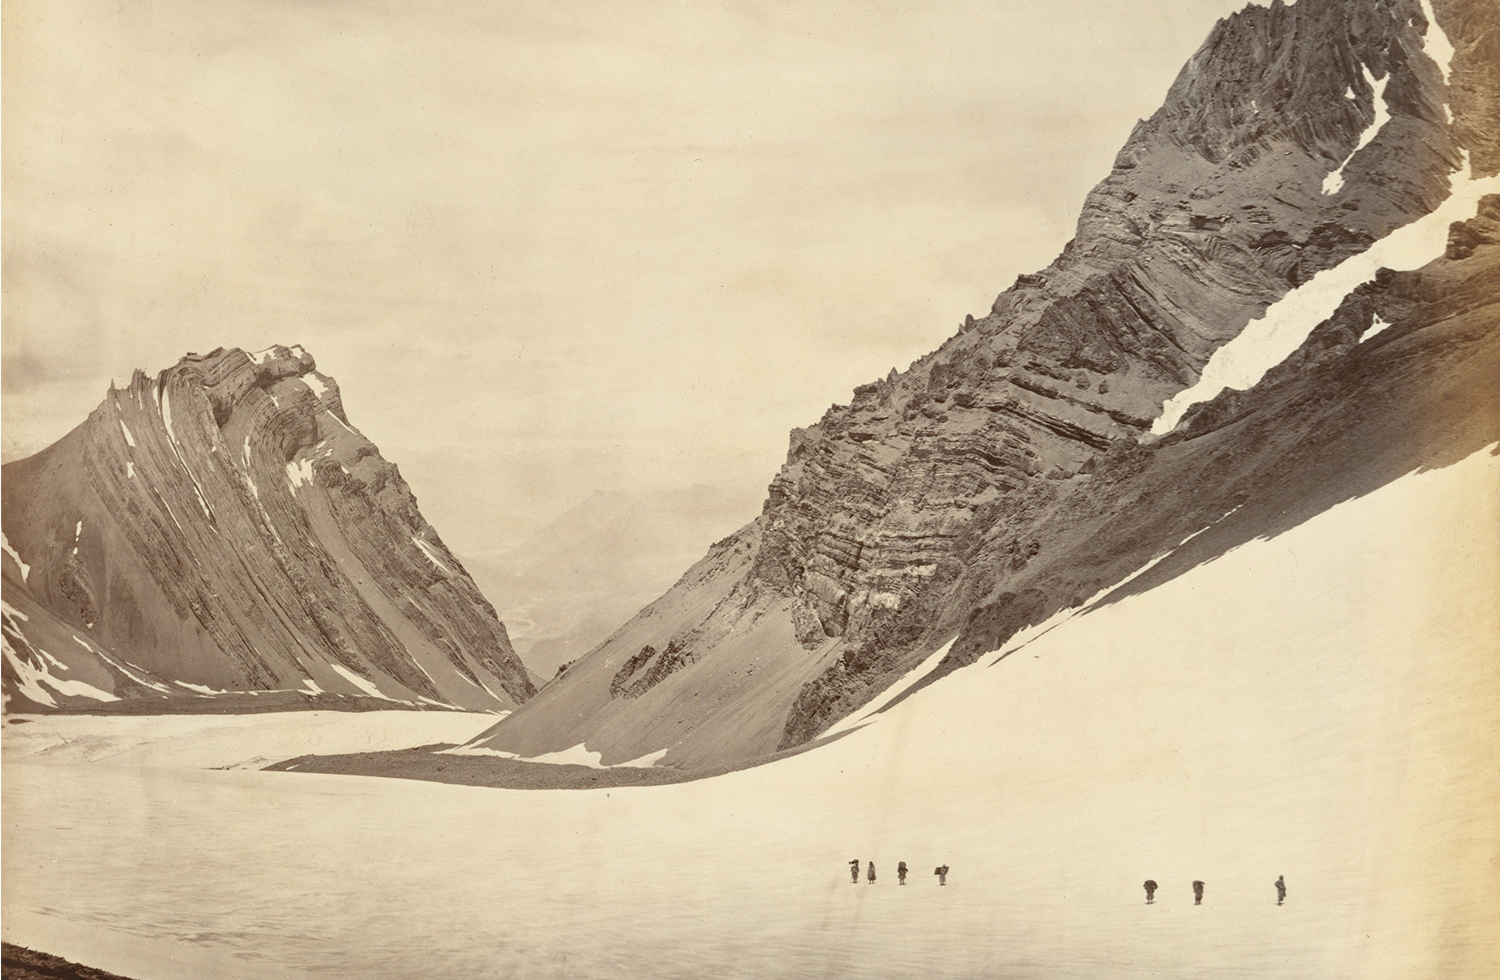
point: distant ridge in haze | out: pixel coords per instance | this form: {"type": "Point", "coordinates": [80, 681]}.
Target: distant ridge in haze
{"type": "Point", "coordinates": [567, 586]}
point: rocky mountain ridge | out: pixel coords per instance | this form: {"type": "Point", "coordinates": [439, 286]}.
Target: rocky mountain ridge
{"type": "Point", "coordinates": [926, 508]}
{"type": "Point", "coordinates": [222, 527]}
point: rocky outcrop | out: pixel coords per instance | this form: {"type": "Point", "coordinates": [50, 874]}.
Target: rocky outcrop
{"type": "Point", "coordinates": [222, 527]}
{"type": "Point", "coordinates": [928, 508]}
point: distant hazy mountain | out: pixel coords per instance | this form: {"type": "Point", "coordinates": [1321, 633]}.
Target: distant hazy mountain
{"type": "Point", "coordinates": [221, 528]}
{"type": "Point", "coordinates": [571, 584]}
{"type": "Point", "coordinates": [1014, 471]}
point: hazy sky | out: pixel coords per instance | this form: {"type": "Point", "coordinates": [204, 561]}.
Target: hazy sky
{"type": "Point", "coordinates": [546, 247]}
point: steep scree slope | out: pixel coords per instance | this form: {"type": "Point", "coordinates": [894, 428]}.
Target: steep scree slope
{"type": "Point", "coordinates": [222, 527]}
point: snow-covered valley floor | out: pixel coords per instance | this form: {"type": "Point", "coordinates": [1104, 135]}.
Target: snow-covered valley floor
{"type": "Point", "coordinates": [1324, 705]}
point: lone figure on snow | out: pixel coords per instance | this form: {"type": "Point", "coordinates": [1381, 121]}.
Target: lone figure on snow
{"type": "Point", "coordinates": [942, 872]}
{"type": "Point", "coordinates": [1150, 891]}
{"type": "Point", "coordinates": [1280, 889]}
{"type": "Point", "coordinates": [854, 872]}
{"type": "Point", "coordinates": [871, 874]}
{"type": "Point", "coordinates": [1197, 893]}
{"type": "Point", "coordinates": [901, 873]}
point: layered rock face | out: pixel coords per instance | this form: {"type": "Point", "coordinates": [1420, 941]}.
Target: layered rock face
{"type": "Point", "coordinates": [222, 527]}
{"type": "Point", "coordinates": [1296, 137]}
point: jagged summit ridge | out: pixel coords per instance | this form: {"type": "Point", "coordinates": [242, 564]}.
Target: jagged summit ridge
{"type": "Point", "coordinates": [223, 524]}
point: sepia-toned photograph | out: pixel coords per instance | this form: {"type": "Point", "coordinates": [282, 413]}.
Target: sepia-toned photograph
{"type": "Point", "coordinates": [979, 489]}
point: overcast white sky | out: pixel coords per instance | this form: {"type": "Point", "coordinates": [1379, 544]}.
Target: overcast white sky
{"type": "Point", "coordinates": [547, 247]}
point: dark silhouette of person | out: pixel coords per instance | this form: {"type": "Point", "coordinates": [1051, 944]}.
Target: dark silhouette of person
{"type": "Point", "coordinates": [1280, 889]}
{"type": "Point", "coordinates": [1197, 893]}
{"type": "Point", "coordinates": [942, 872]}
{"type": "Point", "coordinates": [901, 873]}
{"type": "Point", "coordinates": [1150, 891]}
{"type": "Point", "coordinates": [871, 873]}
{"type": "Point", "coordinates": [854, 872]}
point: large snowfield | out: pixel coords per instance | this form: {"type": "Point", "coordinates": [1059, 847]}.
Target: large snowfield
{"type": "Point", "coordinates": [1322, 705]}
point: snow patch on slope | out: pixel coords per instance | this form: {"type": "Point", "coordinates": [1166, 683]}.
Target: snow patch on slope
{"type": "Point", "coordinates": [166, 417]}
{"type": "Point", "coordinates": [128, 437]}
{"type": "Point", "coordinates": [367, 686]}
{"type": "Point", "coordinates": [1273, 337]}
{"type": "Point", "coordinates": [1436, 44]}
{"type": "Point", "coordinates": [118, 666]}
{"type": "Point", "coordinates": [1335, 181]}
{"type": "Point", "coordinates": [16, 557]}
{"type": "Point", "coordinates": [299, 473]}
{"type": "Point", "coordinates": [199, 688]}
{"type": "Point", "coordinates": [30, 677]}
{"type": "Point", "coordinates": [431, 554]}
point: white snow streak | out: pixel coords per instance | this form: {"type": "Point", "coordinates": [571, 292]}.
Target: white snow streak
{"type": "Point", "coordinates": [644, 762]}
{"type": "Point", "coordinates": [117, 666]}
{"type": "Point", "coordinates": [431, 554]}
{"type": "Point", "coordinates": [29, 681]}
{"type": "Point", "coordinates": [310, 686]}
{"type": "Point", "coordinates": [30, 678]}
{"type": "Point", "coordinates": [130, 469]}
{"type": "Point", "coordinates": [199, 688]}
{"type": "Point", "coordinates": [166, 416]}
{"type": "Point", "coordinates": [1335, 181]}
{"type": "Point", "coordinates": [1268, 341]}
{"type": "Point", "coordinates": [51, 659]}
{"type": "Point", "coordinates": [1376, 325]}
{"type": "Point", "coordinates": [15, 556]}
{"type": "Point", "coordinates": [1436, 44]}
{"type": "Point", "coordinates": [77, 533]}
{"type": "Point", "coordinates": [577, 755]}
{"type": "Point", "coordinates": [911, 677]}
{"type": "Point", "coordinates": [128, 437]}
{"type": "Point", "coordinates": [359, 682]}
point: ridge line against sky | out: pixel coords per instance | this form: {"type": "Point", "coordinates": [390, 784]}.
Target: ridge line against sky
{"type": "Point", "coordinates": [547, 250]}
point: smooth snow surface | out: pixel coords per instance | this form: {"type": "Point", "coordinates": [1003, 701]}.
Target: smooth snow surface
{"type": "Point", "coordinates": [1268, 341]}
{"type": "Point", "coordinates": [1376, 325]}
{"type": "Point", "coordinates": [1322, 705]}
{"type": "Point", "coordinates": [230, 741]}
{"type": "Point", "coordinates": [130, 439]}
{"type": "Point", "coordinates": [1335, 181]}
{"type": "Point", "coordinates": [314, 382]}
{"type": "Point", "coordinates": [16, 557]}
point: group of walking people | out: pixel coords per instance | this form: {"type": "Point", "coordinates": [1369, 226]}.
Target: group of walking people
{"type": "Point", "coordinates": [941, 871]}
{"type": "Point", "coordinates": [1150, 887]}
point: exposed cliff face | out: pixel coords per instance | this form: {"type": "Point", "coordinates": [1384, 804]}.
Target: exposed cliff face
{"type": "Point", "coordinates": [1295, 138]}
{"type": "Point", "coordinates": [223, 525]}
